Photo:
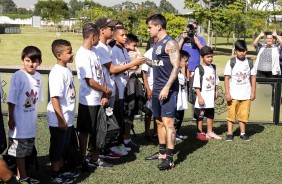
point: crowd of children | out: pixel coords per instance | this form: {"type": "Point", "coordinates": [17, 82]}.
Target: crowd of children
{"type": "Point", "coordinates": [103, 72]}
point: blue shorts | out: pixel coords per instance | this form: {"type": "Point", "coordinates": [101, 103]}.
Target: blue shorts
{"type": "Point", "coordinates": [164, 108]}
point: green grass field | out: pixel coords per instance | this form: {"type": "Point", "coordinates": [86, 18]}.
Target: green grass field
{"type": "Point", "coordinates": [214, 162]}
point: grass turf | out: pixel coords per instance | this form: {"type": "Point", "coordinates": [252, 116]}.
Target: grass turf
{"type": "Point", "coordinates": [258, 161]}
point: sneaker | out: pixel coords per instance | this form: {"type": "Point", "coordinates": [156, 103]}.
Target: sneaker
{"type": "Point", "coordinates": [133, 146]}
{"type": "Point", "coordinates": [213, 135]}
{"type": "Point", "coordinates": [155, 156]}
{"type": "Point", "coordinates": [179, 137]}
{"type": "Point", "coordinates": [90, 162]}
{"type": "Point", "coordinates": [61, 179]}
{"type": "Point", "coordinates": [101, 163]}
{"type": "Point", "coordinates": [245, 137]}
{"type": "Point", "coordinates": [28, 181]}
{"type": "Point", "coordinates": [229, 137]}
{"type": "Point", "coordinates": [111, 155]}
{"type": "Point", "coordinates": [70, 174]}
{"type": "Point", "coordinates": [166, 164]}
{"type": "Point", "coordinates": [123, 147]}
{"type": "Point", "coordinates": [202, 137]}
{"type": "Point", "coordinates": [34, 181]}
{"type": "Point", "coordinates": [118, 151]}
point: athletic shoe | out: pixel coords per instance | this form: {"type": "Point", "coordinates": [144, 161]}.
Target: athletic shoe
{"type": "Point", "coordinates": [245, 137]}
{"type": "Point", "coordinates": [166, 164]}
{"type": "Point", "coordinates": [122, 147]}
{"type": "Point", "coordinates": [101, 163]}
{"type": "Point", "coordinates": [202, 137]}
{"type": "Point", "coordinates": [34, 181]}
{"type": "Point", "coordinates": [28, 181]}
{"type": "Point", "coordinates": [213, 135]}
{"type": "Point", "coordinates": [133, 146]}
{"type": "Point", "coordinates": [116, 150]}
{"type": "Point", "coordinates": [179, 137]}
{"type": "Point", "coordinates": [70, 174]}
{"type": "Point", "coordinates": [229, 137]}
{"type": "Point", "coordinates": [90, 162]}
{"type": "Point", "coordinates": [155, 156]}
{"type": "Point", "coordinates": [61, 179]}
{"type": "Point", "coordinates": [111, 155]}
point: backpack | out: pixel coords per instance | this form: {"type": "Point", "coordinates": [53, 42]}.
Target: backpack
{"type": "Point", "coordinates": [72, 156]}
{"type": "Point", "coordinates": [191, 92]}
{"type": "Point", "coordinates": [108, 130]}
{"type": "Point", "coordinates": [233, 62]}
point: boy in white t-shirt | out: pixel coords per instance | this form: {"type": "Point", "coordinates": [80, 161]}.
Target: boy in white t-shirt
{"type": "Point", "coordinates": [240, 90]}
{"type": "Point", "coordinates": [25, 91]}
{"type": "Point", "coordinates": [206, 91]}
{"type": "Point", "coordinates": [93, 93]}
{"type": "Point", "coordinates": [61, 108]}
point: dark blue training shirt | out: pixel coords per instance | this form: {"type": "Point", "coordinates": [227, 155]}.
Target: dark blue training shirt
{"type": "Point", "coordinates": [162, 67]}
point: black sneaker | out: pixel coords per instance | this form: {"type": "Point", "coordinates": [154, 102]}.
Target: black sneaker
{"type": "Point", "coordinates": [166, 164]}
{"type": "Point", "coordinates": [229, 137]}
{"type": "Point", "coordinates": [155, 156]}
{"type": "Point", "coordinates": [61, 179]}
{"type": "Point", "coordinates": [101, 163]}
{"type": "Point", "coordinates": [134, 147]}
{"type": "Point", "coordinates": [245, 137]}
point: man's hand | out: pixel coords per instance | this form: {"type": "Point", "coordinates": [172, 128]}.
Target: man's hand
{"type": "Point", "coordinates": [149, 94]}
{"type": "Point", "coordinates": [108, 93]}
{"type": "Point", "coordinates": [139, 61]}
{"type": "Point", "coordinates": [11, 123]}
{"type": "Point", "coordinates": [164, 93]}
{"type": "Point", "coordinates": [261, 34]}
{"type": "Point", "coordinates": [274, 33]}
{"type": "Point", "coordinates": [201, 101]}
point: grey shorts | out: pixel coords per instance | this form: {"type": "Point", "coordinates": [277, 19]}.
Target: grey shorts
{"type": "Point", "coordinates": [20, 148]}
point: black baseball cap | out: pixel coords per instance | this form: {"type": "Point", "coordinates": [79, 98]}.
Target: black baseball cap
{"type": "Point", "coordinates": [105, 22]}
{"type": "Point", "coordinates": [191, 21]}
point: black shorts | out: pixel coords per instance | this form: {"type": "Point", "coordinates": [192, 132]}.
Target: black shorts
{"type": "Point", "coordinates": [199, 114]}
{"type": "Point", "coordinates": [59, 140]}
{"type": "Point", "coordinates": [87, 118]}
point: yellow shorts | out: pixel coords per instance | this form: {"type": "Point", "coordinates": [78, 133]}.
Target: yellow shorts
{"type": "Point", "coordinates": [239, 108]}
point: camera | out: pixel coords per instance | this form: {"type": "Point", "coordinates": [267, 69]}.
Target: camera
{"type": "Point", "coordinates": [191, 30]}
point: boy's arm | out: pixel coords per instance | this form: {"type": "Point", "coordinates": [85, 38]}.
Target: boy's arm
{"type": "Point", "coordinates": [96, 86]}
{"type": "Point", "coordinates": [122, 68]}
{"type": "Point", "coordinates": [106, 96]}
{"type": "Point", "coordinates": [62, 124]}
{"type": "Point", "coordinates": [253, 86]}
{"type": "Point", "coordinates": [11, 122]}
{"type": "Point", "coordinates": [227, 88]}
{"type": "Point", "coordinates": [201, 101]}
{"type": "Point", "coordinates": [216, 92]}
{"type": "Point", "coordinates": [146, 84]}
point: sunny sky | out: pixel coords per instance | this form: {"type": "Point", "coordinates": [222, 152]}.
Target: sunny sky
{"type": "Point", "coordinates": [178, 4]}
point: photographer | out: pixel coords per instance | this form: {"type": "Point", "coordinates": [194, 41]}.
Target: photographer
{"type": "Point", "coordinates": [191, 43]}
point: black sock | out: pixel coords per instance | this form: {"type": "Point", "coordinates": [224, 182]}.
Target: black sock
{"type": "Point", "coordinates": [162, 149]}
{"type": "Point", "coordinates": [169, 153]}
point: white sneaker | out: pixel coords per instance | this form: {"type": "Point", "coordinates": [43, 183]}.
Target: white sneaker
{"type": "Point", "coordinates": [116, 150]}
{"type": "Point", "coordinates": [122, 147]}
{"type": "Point", "coordinates": [213, 135]}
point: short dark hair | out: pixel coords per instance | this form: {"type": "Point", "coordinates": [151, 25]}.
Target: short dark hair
{"type": "Point", "coordinates": [206, 50]}
{"type": "Point", "coordinates": [157, 19]}
{"type": "Point", "coordinates": [184, 53]}
{"type": "Point", "coordinates": [33, 53]}
{"type": "Point", "coordinates": [240, 45]}
{"type": "Point", "coordinates": [57, 45]}
{"type": "Point", "coordinates": [119, 27]}
{"type": "Point", "coordinates": [89, 29]}
{"type": "Point", "coordinates": [132, 38]}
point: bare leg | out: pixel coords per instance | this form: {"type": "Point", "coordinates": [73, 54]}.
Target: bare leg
{"type": "Point", "coordinates": [161, 131]}
{"type": "Point", "coordinates": [200, 126]}
{"type": "Point", "coordinates": [83, 143]}
{"type": "Point", "coordinates": [21, 168]}
{"type": "Point", "coordinates": [170, 132]}
{"type": "Point", "coordinates": [147, 125]}
{"type": "Point", "coordinates": [242, 127]}
{"type": "Point", "coordinates": [209, 125]}
{"type": "Point", "coordinates": [229, 127]}
{"type": "Point", "coordinates": [5, 173]}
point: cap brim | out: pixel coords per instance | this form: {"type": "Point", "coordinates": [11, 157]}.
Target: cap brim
{"type": "Point", "coordinates": [112, 23]}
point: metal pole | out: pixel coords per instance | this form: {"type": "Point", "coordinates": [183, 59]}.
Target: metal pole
{"type": "Point", "coordinates": [277, 96]}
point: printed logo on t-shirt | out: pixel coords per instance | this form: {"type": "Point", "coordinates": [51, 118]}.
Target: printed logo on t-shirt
{"type": "Point", "coordinates": [159, 50]}
{"type": "Point", "coordinates": [210, 83]}
{"type": "Point", "coordinates": [98, 71]}
{"type": "Point", "coordinates": [71, 93]}
{"type": "Point", "coordinates": [31, 100]}
{"type": "Point", "coordinates": [157, 63]}
{"type": "Point", "coordinates": [241, 78]}
{"type": "Point", "coordinates": [37, 83]}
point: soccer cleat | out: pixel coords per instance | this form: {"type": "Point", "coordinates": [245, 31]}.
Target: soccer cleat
{"type": "Point", "coordinates": [155, 156]}
{"type": "Point", "coordinates": [101, 163]}
{"type": "Point", "coordinates": [166, 164]}
{"type": "Point", "coordinates": [70, 174]}
{"type": "Point", "coordinates": [61, 179]}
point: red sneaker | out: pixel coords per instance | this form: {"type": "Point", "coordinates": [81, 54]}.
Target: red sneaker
{"type": "Point", "coordinates": [202, 137]}
{"type": "Point", "coordinates": [111, 155]}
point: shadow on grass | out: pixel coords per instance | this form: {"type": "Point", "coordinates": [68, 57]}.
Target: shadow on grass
{"type": "Point", "coordinates": [250, 130]}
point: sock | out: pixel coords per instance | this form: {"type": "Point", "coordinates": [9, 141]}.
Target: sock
{"type": "Point", "coordinates": [242, 133]}
{"type": "Point", "coordinates": [162, 149]}
{"type": "Point", "coordinates": [169, 153]}
{"type": "Point", "coordinates": [126, 141]}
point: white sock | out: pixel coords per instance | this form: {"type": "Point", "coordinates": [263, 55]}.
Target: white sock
{"type": "Point", "coordinates": [242, 134]}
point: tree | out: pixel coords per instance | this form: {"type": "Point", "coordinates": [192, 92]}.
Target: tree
{"type": "Point", "coordinates": [75, 6]}
{"type": "Point", "coordinates": [166, 6]}
{"type": "Point", "coordinates": [8, 6]}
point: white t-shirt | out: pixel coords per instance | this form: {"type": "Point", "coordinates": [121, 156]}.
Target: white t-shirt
{"type": "Point", "coordinates": [88, 66]}
{"type": "Point", "coordinates": [105, 55]}
{"type": "Point", "coordinates": [61, 84]}
{"type": "Point", "coordinates": [120, 57]}
{"type": "Point", "coordinates": [239, 83]}
{"type": "Point", "coordinates": [148, 69]}
{"type": "Point", "coordinates": [210, 80]}
{"type": "Point", "coordinates": [25, 91]}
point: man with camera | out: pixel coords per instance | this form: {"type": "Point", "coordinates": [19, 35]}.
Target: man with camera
{"type": "Point", "coordinates": [191, 43]}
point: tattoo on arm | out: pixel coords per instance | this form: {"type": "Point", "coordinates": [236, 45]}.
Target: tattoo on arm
{"type": "Point", "coordinates": [172, 49]}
